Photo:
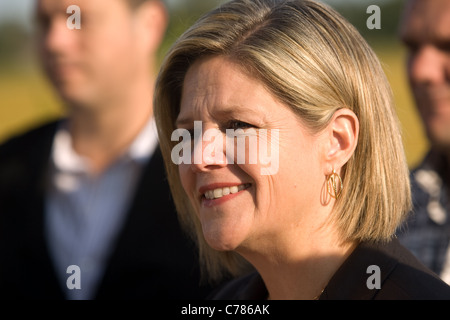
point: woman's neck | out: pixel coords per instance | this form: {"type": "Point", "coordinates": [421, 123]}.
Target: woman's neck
{"type": "Point", "coordinates": [299, 268]}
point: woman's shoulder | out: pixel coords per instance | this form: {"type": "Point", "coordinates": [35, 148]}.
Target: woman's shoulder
{"type": "Point", "coordinates": [380, 271]}
{"type": "Point", "coordinates": [385, 271]}
{"type": "Point", "coordinates": [411, 279]}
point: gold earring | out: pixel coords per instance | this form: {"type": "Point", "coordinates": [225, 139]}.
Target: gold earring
{"type": "Point", "coordinates": [334, 182]}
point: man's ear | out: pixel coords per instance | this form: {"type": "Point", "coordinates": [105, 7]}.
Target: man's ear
{"type": "Point", "coordinates": [153, 19]}
{"type": "Point", "coordinates": [342, 138]}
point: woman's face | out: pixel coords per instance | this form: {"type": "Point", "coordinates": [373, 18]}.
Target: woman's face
{"type": "Point", "coordinates": [238, 203]}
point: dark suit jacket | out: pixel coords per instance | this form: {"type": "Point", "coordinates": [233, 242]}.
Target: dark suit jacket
{"type": "Point", "coordinates": [402, 277]}
{"type": "Point", "coordinates": [152, 258]}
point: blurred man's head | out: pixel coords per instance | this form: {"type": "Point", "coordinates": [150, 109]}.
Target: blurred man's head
{"type": "Point", "coordinates": [113, 50]}
{"type": "Point", "coordinates": [425, 30]}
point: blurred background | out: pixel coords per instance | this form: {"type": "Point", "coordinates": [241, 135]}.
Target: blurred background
{"type": "Point", "coordinates": [27, 99]}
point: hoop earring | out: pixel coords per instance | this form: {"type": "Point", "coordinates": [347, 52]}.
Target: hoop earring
{"type": "Point", "coordinates": [334, 182]}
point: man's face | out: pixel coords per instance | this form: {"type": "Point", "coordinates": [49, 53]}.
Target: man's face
{"type": "Point", "coordinates": [425, 30]}
{"type": "Point", "coordinates": [94, 64]}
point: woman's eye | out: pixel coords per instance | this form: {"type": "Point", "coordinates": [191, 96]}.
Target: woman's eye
{"type": "Point", "coordinates": [236, 124]}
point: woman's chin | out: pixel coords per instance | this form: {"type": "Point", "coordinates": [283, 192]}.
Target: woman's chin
{"type": "Point", "coordinates": [221, 241]}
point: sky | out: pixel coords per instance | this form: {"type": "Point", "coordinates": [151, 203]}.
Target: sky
{"type": "Point", "coordinates": [21, 10]}
{"type": "Point", "coordinates": [18, 10]}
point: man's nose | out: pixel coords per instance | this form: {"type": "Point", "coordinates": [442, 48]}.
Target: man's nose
{"type": "Point", "coordinates": [427, 65]}
{"type": "Point", "coordinates": [58, 37]}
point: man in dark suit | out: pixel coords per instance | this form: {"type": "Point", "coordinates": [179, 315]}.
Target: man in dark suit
{"type": "Point", "coordinates": [425, 31]}
{"type": "Point", "coordinates": [85, 209]}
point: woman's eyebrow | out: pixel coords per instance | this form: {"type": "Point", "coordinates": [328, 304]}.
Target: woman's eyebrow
{"type": "Point", "coordinates": [219, 111]}
{"type": "Point", "coordinates": [235, 110]}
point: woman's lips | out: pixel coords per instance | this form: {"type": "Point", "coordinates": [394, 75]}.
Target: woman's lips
{"type": "Point", "coordinates": [217, 194]}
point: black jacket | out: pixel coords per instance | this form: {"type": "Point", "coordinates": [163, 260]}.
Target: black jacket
{"type": "Point", "coordinates": [152, 259]}
{"type": "Point", "coordinates": [402, 277]}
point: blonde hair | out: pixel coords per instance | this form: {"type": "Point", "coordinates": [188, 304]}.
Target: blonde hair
{"type": "Point", "coordinates": [313, 60]}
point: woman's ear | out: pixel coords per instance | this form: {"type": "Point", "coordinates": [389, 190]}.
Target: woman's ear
{"type": "Point", "coordinates": [342, 138]}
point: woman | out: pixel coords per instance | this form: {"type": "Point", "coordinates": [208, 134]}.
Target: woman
{"type": "Point", "coordinates": [282, 147]}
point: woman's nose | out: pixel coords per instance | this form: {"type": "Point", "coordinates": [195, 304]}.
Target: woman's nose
{"type": "Point", "coordinates": [209, 151]}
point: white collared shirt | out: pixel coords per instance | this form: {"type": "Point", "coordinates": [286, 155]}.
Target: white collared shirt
{"type": "Point", "coordinates": [84, 213]}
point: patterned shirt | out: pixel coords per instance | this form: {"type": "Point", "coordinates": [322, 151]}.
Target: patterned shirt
{"type": "Point", "coordinates": [427, 230]}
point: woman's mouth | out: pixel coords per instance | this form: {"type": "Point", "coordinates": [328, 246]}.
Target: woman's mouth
{"type": "Point", "coordinates": [218, 195]}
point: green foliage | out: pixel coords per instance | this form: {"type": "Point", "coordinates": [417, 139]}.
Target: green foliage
{"type": "Point", "coordinates": [355, 13]}
{"type": "Point", "coordinates": [14, 42]}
